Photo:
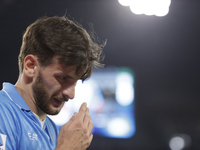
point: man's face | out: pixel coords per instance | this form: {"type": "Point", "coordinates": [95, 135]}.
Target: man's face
{"type": "Point", "coordinates": [53, 86]}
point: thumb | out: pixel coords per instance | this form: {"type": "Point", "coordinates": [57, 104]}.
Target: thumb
{"type": "Point", "coordinates": [74, 115]}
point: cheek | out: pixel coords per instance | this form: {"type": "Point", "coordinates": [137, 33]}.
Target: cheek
{"type": "Point", "coordinates": [52, 86]}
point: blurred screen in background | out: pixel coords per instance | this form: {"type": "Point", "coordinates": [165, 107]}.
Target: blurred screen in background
{"type": "Point", "coordinates": [109, 94]}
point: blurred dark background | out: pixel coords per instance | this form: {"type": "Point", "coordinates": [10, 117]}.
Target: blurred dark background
{"type": "Point", "coordinates": [163, 52]}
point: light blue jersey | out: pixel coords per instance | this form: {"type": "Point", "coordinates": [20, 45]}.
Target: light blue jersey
{"type": "Point", "coordinates": [19, 127]}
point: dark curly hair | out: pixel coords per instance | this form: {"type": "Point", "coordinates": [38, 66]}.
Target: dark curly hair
{"type": "Point", "coordinates": [58, 36]}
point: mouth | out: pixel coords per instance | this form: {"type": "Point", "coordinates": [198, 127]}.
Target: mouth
{"type": "Point", "coordinates": [58, 102]}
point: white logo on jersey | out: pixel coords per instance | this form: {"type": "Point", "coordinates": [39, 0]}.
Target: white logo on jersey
{"type": "Point", "coordinates": [3, 141]}
{"type": "Point", "coordinates": [32, 136]}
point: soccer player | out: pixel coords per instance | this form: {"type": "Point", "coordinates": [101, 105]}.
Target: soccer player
{"type": "Point", "coordinates": [55, 53]}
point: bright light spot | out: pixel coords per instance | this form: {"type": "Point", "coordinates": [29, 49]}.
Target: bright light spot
{"type": "Point", "coordinates": [179, 142]}
{"type": "Point", "coordinates": [84, 93]}
{"type": "Point", "coordinates": [162, 11]}
{"type": "Point", "coordinates": [137, 8]}
{"type": "Point", "coordinates": [124, 89]}
{"type": "Point", "coordinates": [119, 127]}
{"type": "Point", "coordinates": [148, 7]}
{"type": "Point", "coordinates": [124, 93]}
{"type": "Point", "coordinates": [125, 2]}
{"type": "Point", "coordinates": [124, 77]}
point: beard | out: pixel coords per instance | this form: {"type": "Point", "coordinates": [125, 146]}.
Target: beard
{"type": "Point", "coordinates": [42, 97]}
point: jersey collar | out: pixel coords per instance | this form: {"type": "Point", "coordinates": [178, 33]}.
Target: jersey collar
{"type": "Point", "coordinates": [14, 96]}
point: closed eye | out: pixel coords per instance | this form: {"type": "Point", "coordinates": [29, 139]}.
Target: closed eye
{"type": "Point", "coordinates": [63, 78]}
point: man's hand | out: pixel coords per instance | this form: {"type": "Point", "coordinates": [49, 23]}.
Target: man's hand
{"type": "Point", "coordinates": [76, 133]}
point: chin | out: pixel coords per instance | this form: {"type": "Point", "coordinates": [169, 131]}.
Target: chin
{"type": "Point", "coordinates": [54, 111]}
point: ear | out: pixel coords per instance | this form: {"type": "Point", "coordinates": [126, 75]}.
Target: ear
{"type": "Point", "coordinates": [30, 65]}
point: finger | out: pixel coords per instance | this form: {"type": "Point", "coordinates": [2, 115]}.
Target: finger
{"type": "Point", "coordinates": [90, 125]}
{"type": "Point", "coordinates": [90, 139]}
{"type": "Point", "coordinates": [88, 121]}
{"type": "Point", "coordinates": [87, 117]}
{"type": "Point", "coordinates": [74, 115]}
{"type": "Point", "coordinates": [82, 111]}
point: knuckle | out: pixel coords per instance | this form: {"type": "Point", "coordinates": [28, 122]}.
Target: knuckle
{"type": "Point", "coordinates": [90, 136]}
{"type": "Point", "coordinates": [88, 143]}
{"type": "Point", "coordinates": [87, 116]}
{"type": "Point", "coordinates": [85, 130]}
{"type": "Point", "coordinates": [79, 124]}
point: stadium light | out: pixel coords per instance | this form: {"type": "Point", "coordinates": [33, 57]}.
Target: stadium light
{"type": "Point", "coordinates": [148, 7]}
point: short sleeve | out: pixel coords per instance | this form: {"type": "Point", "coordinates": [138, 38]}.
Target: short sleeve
{"type": "Point", "coordinates": [8, 128]}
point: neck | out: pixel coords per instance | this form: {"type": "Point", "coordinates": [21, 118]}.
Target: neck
{"type": "Point", "coordinates": [26, 92]}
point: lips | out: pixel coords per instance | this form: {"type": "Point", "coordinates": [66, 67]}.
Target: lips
{"type": "Point", "coordinates": [57, 102]}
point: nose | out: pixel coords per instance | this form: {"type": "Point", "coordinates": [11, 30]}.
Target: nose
{"type": "Point", "coordinates": [69, 92]}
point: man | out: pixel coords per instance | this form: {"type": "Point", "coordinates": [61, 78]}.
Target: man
{"type": "Point", "coordinates": [55, 53]}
